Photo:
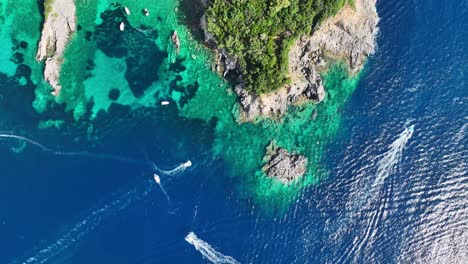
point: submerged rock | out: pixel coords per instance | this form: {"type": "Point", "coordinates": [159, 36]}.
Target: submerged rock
{"type": "Point", "coordinates": [59, 25]}
{"type": "Point", "coordinates": [284, 166]}
{"type": "Point", "coordinates": [176, 41]}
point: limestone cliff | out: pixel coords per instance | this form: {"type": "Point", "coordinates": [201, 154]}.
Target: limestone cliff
{"type": "Point", "coordinates": [59, 25]}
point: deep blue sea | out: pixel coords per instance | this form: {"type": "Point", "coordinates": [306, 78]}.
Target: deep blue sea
{"type": "Point", "coordinates": [397, 191]}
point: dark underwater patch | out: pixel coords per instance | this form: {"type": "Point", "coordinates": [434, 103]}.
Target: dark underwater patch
{"type": "Point", "coordinates": [190, 92]}
{"type": "Point", "coordinates": [23, 70]}
{"type": "Point", "coordinates": [17, 58]}
{"type": "Point", "coordinates": [142, 56]}
{"type": "Point", "coordinates": [177, 66]}
{"type": "Point", "coordinates": [19, 44]}
{"type": "Point", "coordinates": [114, 94]}
{"type": "Point", "coordinates": [88, 35]}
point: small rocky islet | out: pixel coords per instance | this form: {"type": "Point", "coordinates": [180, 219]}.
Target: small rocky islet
{"type": "Point", "coordinates": [347, 37]}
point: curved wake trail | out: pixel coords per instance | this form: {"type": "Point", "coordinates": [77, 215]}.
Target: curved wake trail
{"type": "Point", "coordinates": [208, 251]}
{"type": "Point", "coordinates": [182, 167]}
{"type": "Point", "coordinates": [386, 165]}
{"type": "Point", "coordinates": [27, 140]}
{"type": "Point", "coordinates": [85, 154]}
{"type": "Point", "coordinates": [91, 221]}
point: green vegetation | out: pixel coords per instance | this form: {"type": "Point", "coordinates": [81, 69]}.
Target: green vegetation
{"type": "Point", "coordinates": [48, 7]}
{"type": "Point", "coordinates": [260, 33]}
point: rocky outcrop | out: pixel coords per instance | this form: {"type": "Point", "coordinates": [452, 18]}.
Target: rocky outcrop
{"type": "Point", "coordinates": [284, 166]}
{"type": "Point", "coordinates": [349, 36]}
{"type": "Point", "coordinates": [275, 104]}
{"type": "Point", "coordinates": [224, 62]}
{"type": "Point", "coordinates": [176, 41]}
{"type": "Point", "coordinates": [306, 85]}
{"type": "Point", "coordinates": [59, 25]}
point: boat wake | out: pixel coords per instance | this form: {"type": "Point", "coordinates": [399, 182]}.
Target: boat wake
{"type": "Point", "coordinates": [389, 161]}
{"type": "Point", "coordinates": [74, 233]}
{"type": "Point", "coordinates": [182, 167]}
{"type": "Point", "coordinates": [92, 219]}
{"type": "Point", "coordinates": [157, 179]}
{"type": "Point", "coordinates": [372, 208]}
{"type": "Point", "coordinates": [208, 251]}
{"type": "Point", "coordinates": [85, 154]}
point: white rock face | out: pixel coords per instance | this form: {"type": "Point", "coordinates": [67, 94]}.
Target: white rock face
{"type": "Point", "coordinates": [349, 36]}
{"type": "Point", "coordinates": [58, 27]}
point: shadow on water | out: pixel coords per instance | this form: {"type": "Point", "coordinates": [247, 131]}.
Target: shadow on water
{"type": "Point", "coordinates": [41, 8]}
{"type": "Point", "coordinates": [192, 12]}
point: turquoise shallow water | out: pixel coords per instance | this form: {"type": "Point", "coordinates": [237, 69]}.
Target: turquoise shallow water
{"type": "Point", "coordinates": [139, 68]}
{"type": "Point", "coordinates": [387, 182]}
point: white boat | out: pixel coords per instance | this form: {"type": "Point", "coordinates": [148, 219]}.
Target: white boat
{"type": "Point", "coordinates": [146, 12]}
{"type": "Point", "coordinates": [157, 179]}
{"type": "Point", "coordinates": [127, 11]}
{"type": "Point", "coordinates": [188, 163]}
{"type": "Point", "coordinates": [122, 26]}
{"type": "Point", "coordinates": [165, 103]}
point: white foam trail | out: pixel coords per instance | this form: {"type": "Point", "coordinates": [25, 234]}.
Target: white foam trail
{"type": "Point", "coordinates": [461, 133]}
{"type": "Point", "coordinates": [157, 179]}
{"type": "Point", "coordinates": [30, 141]}
{"type": "Point", "coordinates": [76, 153]}
{"type": "Point", "coordinates": [386, 165]}
{"type": "Point", "coordinates": [182, 167]}
{"type": "Point", "coordinates": [208, 251]}
{"type": "Point", "coordinates": [87, 224]}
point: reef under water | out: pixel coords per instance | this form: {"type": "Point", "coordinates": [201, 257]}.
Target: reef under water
{"type": "Point", "coordinates": [112, 77]}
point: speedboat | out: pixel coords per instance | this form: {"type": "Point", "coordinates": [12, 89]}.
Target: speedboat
{"type": "Point", "coordinates": [156, 178]}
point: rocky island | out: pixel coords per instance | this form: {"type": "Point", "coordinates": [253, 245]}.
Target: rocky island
{"type": "Point", "coordinates": [282, 165]}
{"type": "Point", "coordinates": [280, 65]}
{"type": "Point", "coordinates": [59, 25]}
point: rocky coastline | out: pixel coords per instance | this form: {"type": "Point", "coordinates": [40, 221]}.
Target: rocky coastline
{"type": "Point", "coordinates": [348, 37]}
{"type": "Point", "coordinates": [59, 25]}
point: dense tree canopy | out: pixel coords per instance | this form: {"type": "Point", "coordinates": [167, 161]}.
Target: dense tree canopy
{"type": "Point", "coordinates": [260, 33]}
